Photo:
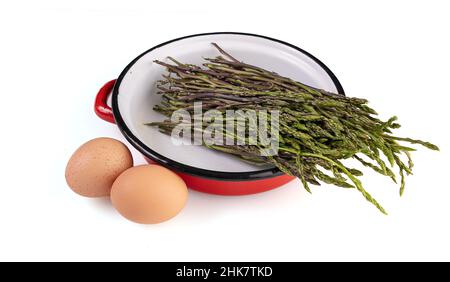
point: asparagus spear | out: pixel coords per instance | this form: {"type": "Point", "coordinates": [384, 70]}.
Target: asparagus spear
{"type": "Point", "coordinates": [318, 129]}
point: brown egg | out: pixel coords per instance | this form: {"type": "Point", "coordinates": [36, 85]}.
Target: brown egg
{"type": "Point", "coordinates": [94, 166]}
{"type": "Point", "coordinates": [148, 194]}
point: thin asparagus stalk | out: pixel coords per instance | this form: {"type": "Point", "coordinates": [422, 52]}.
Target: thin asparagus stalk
{"type": "Point", "coordinates": [317, 130]}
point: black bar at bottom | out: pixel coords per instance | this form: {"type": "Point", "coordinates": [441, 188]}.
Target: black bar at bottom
{"type": "Point", "coordinates": [226, 271]}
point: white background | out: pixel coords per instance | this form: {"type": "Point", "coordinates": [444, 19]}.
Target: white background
{"type": "Point", "coordinates": [56, 54]}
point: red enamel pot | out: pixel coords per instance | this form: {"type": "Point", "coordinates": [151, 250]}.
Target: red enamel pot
{"type": "Point", "coordinates": [133, 97]}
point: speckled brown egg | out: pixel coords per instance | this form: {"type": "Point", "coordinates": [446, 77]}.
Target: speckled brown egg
{"type": "Point", "coordinates": [95, 165]}
{"type": "Point", "coordinates": [149, 194]}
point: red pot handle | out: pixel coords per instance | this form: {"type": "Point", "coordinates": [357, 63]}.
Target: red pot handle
{"type": "Point", "coordinates": [102, 110]}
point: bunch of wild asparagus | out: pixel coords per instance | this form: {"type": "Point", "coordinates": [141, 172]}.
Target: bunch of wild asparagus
{"type": "Point", "coordinates": [317, 129]}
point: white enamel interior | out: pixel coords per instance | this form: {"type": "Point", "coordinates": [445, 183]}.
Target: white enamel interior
{"type": "Point", "coordinates": [137, 91]}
